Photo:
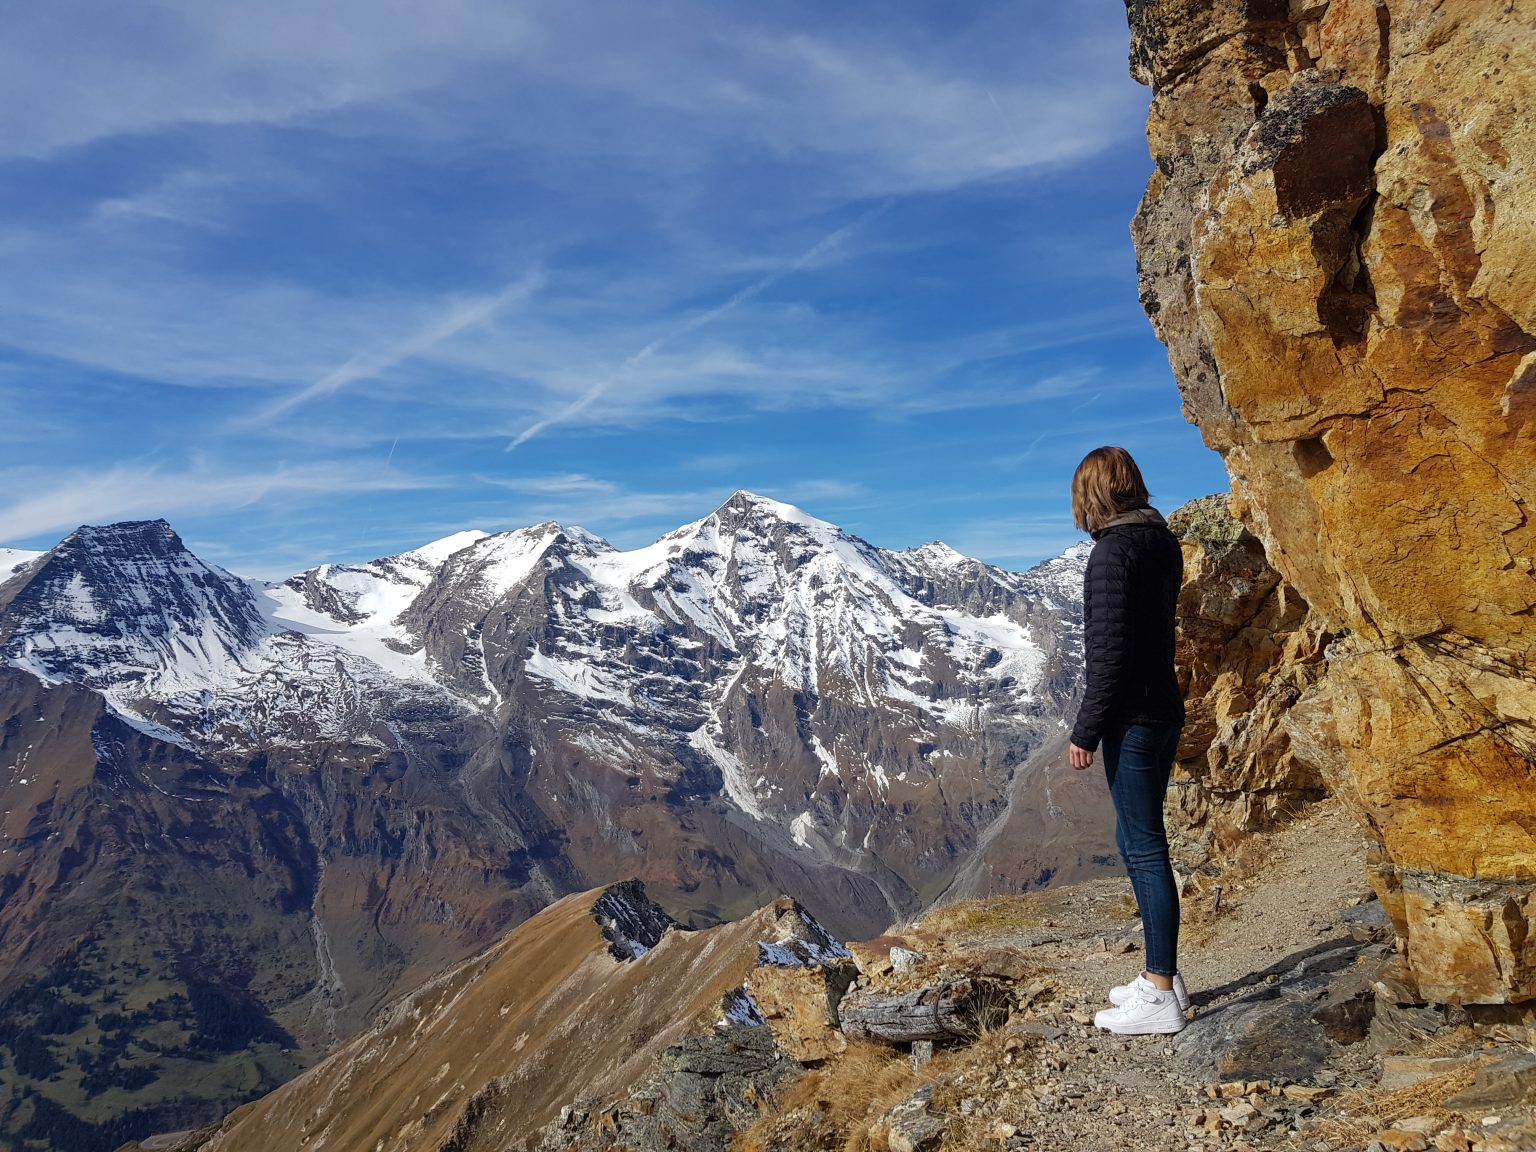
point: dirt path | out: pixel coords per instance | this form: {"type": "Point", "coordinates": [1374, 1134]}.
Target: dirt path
{"type": "Point", "coordinates": [1082, 1088]}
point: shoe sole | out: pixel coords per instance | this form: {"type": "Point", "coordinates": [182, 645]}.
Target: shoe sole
{"type": "Point", "coordinates": [1141, 1029]}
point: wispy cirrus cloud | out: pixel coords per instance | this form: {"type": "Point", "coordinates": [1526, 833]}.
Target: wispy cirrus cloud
{"type": "Point", "coordinates": [58, 502]}
{"type": "Point", "coordinates": [842, 258]}
{"type": "Point", "coordinates": [364, 365]}
{"type": "Point", "coordinates": [893, 108]}
{"type": "Point", "coordinates": [178, 62]}
{"type": "Point", "coordinates": [817, 251]}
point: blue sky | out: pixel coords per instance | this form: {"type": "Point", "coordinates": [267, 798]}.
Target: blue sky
{"type": "Point", "coordinates": [326, 279]}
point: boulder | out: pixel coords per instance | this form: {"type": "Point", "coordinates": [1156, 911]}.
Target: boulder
{"type": "Point", "coordinates": [1506, 1083]}
{"type": "Point", "coordinates": [1271, 1031]}
{"type": "Point", "coordinates": [909, 1126]}
{"type": "Point", "coordinates": [800, 1007]}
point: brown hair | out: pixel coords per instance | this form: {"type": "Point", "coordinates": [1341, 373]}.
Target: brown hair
{"type": "Point", "coordinates": [1105, 484]}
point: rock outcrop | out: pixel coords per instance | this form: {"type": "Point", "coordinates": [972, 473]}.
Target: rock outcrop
{"type": "Point", "coordinates": [1247, 649]}
{"type": "Point", "coordinates": [1336, 248]}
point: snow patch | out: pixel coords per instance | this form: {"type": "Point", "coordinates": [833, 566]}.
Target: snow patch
{"type": "Point", "coordinates": [802, 942]}
{"type": "Point", "coordinates": [828, 759]}
{"type": "Point", "coordinates": [800, 829]}
{"type": "Point", "coordinates": [436, 552]}
{"type": "Point", "coordinates": [733, 774]}
{"type": "Point", "coordinates": [13, 560]}
{"type": "Point", "coordinates": [740, 1009]}
{"type": "Point", "coordinates": [580, 678]}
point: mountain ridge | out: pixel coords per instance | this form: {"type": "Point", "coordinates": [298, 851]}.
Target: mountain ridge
{"type": "Point", "coordinates": [387, 765]}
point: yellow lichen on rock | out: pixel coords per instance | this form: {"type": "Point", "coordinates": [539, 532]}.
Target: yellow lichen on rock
{"type": "Point", "coordinates": [1339, 248]}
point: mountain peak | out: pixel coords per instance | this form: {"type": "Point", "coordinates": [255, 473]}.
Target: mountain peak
{"type": "Point", "coordinates": [156, 535]}
{"type": "Point", "coordinates": [941, 553]}
{"type": "Point", "coordinates": [127, 603]}
{"type": "Point", "coordinates": [749, 506]}
{"type": "Point", "coordinates": [631, 921]}
{"type": "Point", "coordinates": [742, 500]}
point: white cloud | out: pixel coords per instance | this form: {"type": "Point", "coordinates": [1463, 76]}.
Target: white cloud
{"type": "Point", "coordinates": [656, 101]}
{"type": "Point", "coordinates": [890, 105]}
{"type": "Point", "coordinates": [75, 71]}
{"type": "Point", "coordinates": [60, 502]}
{"type": "Point", "coordinates": [187, 197]}
{"type": "Point", "coordinates": [564, 484]}
{"type": "Point", "coordinates": [812, 255]}
{"type": "Point", "coordinates": [290, 228]}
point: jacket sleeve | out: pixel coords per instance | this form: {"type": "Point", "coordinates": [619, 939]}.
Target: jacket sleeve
{"type": "Point", "coordinates": [1106, 640]}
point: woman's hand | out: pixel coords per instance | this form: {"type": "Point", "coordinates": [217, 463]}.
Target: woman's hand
{"type": "Point", "coordinates": [1079, 757]}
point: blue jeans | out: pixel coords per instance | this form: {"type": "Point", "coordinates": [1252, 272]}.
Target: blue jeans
{"type": "Point", "coordinates": [1138, 759]}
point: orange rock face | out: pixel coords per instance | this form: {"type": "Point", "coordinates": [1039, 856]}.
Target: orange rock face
{"type": "Point", "coordinates": [1339, 249]}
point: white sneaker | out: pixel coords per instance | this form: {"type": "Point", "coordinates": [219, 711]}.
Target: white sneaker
{"type": "Point", "coordinates": [1120, 993]}
{"type": "Point", "coordinates": [1148, 1011]}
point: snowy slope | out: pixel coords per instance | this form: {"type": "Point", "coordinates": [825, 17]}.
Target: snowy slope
{"type": "Point", "coordinates": [13, 560]}
{"type": "Point", "coordinates": [356, 608]}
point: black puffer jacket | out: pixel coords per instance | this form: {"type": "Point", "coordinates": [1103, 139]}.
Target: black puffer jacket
{"type": "Point", "coordinates": [1130, 592]}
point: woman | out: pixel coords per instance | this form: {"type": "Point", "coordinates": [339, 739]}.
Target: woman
{"type": "Point", "coordinates": [1132, 706]}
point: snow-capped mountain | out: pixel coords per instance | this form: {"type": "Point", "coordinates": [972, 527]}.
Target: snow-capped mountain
{"type": "Point", "coordinates": [666, 656]}
{"type": "Point", "coordinates": [125, 605]}
{"type": "Point", "coordinates": [369, 768]}
{"type": "Point", "coordinates": [758, 606]}
{"type": "Point", "coordinates": [806, 679]}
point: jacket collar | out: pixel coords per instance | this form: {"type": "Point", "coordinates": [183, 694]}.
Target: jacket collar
{"type": "Point", "coordinates": [1142, 515]}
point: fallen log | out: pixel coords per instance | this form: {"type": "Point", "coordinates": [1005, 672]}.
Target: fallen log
{"type": "Point", "coordinates": [946, 1010]}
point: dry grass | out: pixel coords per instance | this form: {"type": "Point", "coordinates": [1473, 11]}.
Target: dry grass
{"type": "Point", "coordinates": [1245, 857]}
{"type": "Point", "coordinates": [834, 1107]}
{"type": "Point", "coordinates": [1124, 909]}
{"type": "Point", "coordinates": [837, 1102]}
{"type": "Point", "coordinates": [1362, 1113]}
{"type": "Point", "coordinates": [969, 920]}
{"type": "Point", "coordinates": [1199, 915]}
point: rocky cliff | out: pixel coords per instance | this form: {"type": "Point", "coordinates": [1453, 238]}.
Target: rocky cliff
{"type": "Point", "coordinates": [1336, 248]}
